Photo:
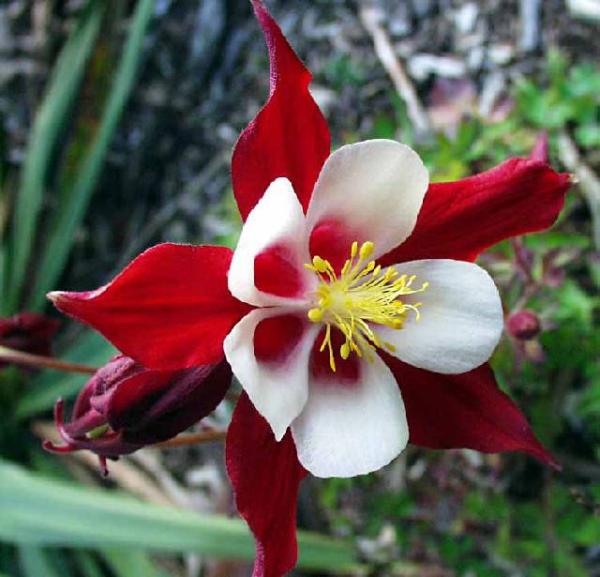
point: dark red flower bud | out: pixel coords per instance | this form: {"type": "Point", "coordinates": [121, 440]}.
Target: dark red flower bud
{"type": "Point", "coordinates": [124, 407]}
{"type": "Point", "coordinates": [523, 325]}
{"type": "Point", "coordinates": [28, 332]}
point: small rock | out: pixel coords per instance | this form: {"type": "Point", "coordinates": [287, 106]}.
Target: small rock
{"type": "Point", "coordinates": [586, 9]}
{"type": "Point", "coordinates": [466, 17]}
{"type": "Point", "coordinates": [501, 54]}
{"type": "Point", "coordinates": [421, 66]}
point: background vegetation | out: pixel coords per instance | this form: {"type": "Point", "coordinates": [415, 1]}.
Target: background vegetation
{"type": "Point", "coordinates": [117, 121]}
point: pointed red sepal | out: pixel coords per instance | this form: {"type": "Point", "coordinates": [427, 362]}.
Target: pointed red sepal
{"type": "Point", "coordinates": [265, 475]}
{"type": "Point", "coordinates": [169, 309]}
{"type": "Point", "coordinates": [459, 220]}
{"type": "Point", "coordinates": [464, 411]}
{"type": "Point", "coordinates": [289, 136]}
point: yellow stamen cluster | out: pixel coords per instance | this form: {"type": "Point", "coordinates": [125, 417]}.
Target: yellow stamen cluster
{"type": "Point", "coordinates": [363, 294]}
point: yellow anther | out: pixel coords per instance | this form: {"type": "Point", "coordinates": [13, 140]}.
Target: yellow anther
{"type": "Point", "coordinates": [345, 351]}
{"type": "Point", "coordinates": [358, 299]}
{"type": "Point", "coordinates": [366, 250]}
{"type": "Point", "coordinates": [315, 315]}
{"type": "Point", "coordinates": [320, 264]}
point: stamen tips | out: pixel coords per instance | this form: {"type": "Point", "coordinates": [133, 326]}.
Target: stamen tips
{"type": "Point", "coordinates": [315, 315]}
{"type": "Point", "coordinates": [345, 351]}
{"type": "Point", "coordinates": [366, 250]}
{"type": "Point", "coordinates": [319, 263]}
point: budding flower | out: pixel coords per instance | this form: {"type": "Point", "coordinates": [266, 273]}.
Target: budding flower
{"type": "Point", "coordinates": [124, 407]}
{"type": "Point", "coordinates": [523, 325]}
{"type": "Point", "coordinates": [28, 332]}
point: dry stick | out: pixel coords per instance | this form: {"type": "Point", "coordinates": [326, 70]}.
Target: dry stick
{"type": "Point", "coordinates": [192, 439]}
{"type": "Point", "coordinates": [588, 181]}
{"type": "Point", "coordinates": [41, 362]}
{"type": "Point", "coordinates": [370, 17]}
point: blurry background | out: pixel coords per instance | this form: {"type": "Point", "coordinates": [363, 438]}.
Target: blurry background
{"type": "Point", "coordinates": [117, 121]}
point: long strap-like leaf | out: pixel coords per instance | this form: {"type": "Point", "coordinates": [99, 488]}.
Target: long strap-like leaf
{"type": "Point", "coordinates": [49, 122]}
{"type": "Point", "coordinates": [45, 512]}
{"type": "Point", "coordinates": [72, 212]}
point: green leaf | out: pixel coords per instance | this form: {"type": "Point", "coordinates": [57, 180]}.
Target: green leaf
{"type": "Point", "coordinates": [49, 123]}
{"type": "Point", "coordinates": [90, 349]}
{"type": "Point", "coordinates": [35, 562]}
{"type": "Point", "coordinates": [127, 562]}
{"type": "Point", "coordinates": [87, 564]}
{"type": "Point", "coordinates": [77, 200]}
{"type": "Point", "coordinates": [43, 512]}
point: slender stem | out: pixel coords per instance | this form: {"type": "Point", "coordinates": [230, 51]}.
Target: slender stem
{"type": "Point", "coordinates": [41, 362]}
{"type": "Point", "coordinates": [192, 439]}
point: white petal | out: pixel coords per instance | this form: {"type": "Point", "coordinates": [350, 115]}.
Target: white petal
{"type": "Point", "coordinates": [460, 322]}
{"type": "Point", "coordinates": [349, 429]}
{"type": "Point", "coordinates": [276, 219]}
{"type": "Point", "coordinates": [277, 390]}
{"type": "Point", "coordinates": [374, 188]}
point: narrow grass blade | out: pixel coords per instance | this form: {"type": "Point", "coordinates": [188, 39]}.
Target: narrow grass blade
{"type": "Point", "coordinates": [48, 125]}
{"type": "Point", "coordinates": [86, 563]}
{"type": "Point", "coordinates": [127, 562]}
{"type": "Point", "coordinates": [35, 562]}
{"type": "Point", "coordinates": [76, 202]}
{"type": "Point", "coordinates": [40, 511]}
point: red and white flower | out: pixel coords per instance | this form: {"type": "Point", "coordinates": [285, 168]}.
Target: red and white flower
{"type": "Point", "coordinates": [351, 311]}
{"type": "Point", "coordinates": [308, 355]}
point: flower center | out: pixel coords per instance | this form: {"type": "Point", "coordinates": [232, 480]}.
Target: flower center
{"type": "Point", "coordinates": [362, 295]}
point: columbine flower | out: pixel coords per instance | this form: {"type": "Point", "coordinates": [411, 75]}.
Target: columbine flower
{"type": "Point", "coordinates": [124, 407]}
{"type": "Point", "coordinates": [350, 312]}
{"type": "Point", "coordinates": [28, 332]}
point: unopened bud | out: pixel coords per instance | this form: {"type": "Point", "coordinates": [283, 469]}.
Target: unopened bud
{"type": "Point", "coordinates": [523, 325]}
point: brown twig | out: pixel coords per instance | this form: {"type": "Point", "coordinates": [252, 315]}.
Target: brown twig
{"type": "Point", "coordinates": [588, 180]}
{"type": "Point", "coordinates": [187, 439]}
{"type": "Point", "coordinates": [41, 362]}
{"type": "Point", "coordinates": [371, 19]}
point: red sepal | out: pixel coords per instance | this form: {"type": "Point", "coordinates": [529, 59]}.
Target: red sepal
{"type": "Point", "coordinates": [459, 220]}
{"type": "Point", "coordinates": [265, 476]}
{"type": "Point", "coordinates": [169, 309]}
{"type": "Point", "coordinates": [463, 411]}
{"type": "Point", "coordinates": [289, 136]}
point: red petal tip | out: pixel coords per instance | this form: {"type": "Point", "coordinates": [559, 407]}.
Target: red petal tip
{"type": "Point", "coordinates": [56, 296]}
